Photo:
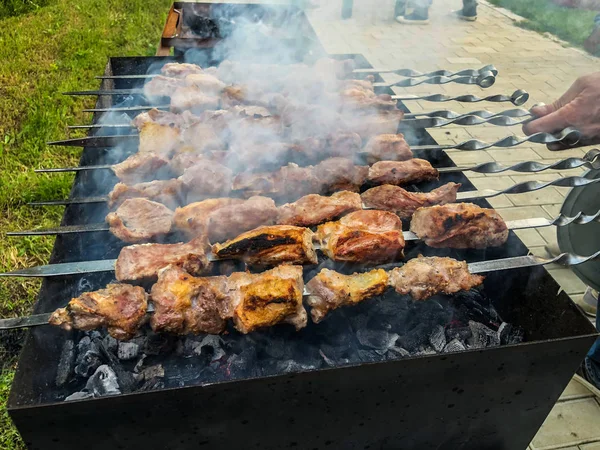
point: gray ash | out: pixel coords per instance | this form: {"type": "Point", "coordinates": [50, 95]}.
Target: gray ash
{"type": "Point", "coordinates": [386, 328]}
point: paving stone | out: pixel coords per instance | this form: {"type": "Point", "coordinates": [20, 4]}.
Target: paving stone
{"type": "Point", "coordinates": [592, 446]}
{"type": "Point", "coordinates": [530, 237]}
{"type": "Point", "coordinates": [570, 283]}
{"type": "Point", "coordinates": [541, 197]}
{"type": "Point", "coordinates": [522, 212]}
{"type": "Point", "coordinates": [575, 390]}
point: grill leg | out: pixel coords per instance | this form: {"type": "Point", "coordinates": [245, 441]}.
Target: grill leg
{"type": "Point", "coordinates": [347, 6]}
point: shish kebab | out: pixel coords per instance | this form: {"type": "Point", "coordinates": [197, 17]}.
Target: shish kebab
{"type": "Point", "coordinates": [183, 304]}
{"type": "Point", "coordinates": [359, 237]}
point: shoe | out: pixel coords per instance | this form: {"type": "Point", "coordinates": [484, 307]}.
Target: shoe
{"type": "Point", "coordinates": [400, 8]}
{"type": "Point", "coordinates": [589, 302]}
{"type": "Point", "coordinates": [590, 372]}
{"type": "Point", "coordinates": [417, 17]}
{"type": "Point", "coordinates": [463, 15]}
{"type": "Point", "coordinates": [592, 43]}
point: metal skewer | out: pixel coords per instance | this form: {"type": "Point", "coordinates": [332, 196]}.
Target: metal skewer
{"type": "Point", "coordinates": [484, 80]}
{"type": "Point", "coordinates": [410, 73]}
{"type": "Point", "coordinates": [518, 98]}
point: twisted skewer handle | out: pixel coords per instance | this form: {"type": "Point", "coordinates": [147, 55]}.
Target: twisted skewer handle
{"type": "Point", "coordinates": [410, 73]}
{"type": "Point", "coordinates": [447, 114]}
{"type": "Point", "coordinates": [485, 80]}
{"type": "Point", "coordinates": [465, 120]}
{"type": "Point", "coordinates": [518, 98]}
{"type": "Point", "coordinates": [531, 186]}
{"type": "Point", "coordinates": [579, 219]}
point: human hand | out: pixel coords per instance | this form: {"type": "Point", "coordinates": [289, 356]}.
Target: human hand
{"type": "Point", "coordinates": [579, 107]}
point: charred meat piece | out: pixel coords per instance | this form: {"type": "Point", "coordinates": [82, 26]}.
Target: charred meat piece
{"type": "Point", "coordinates": [185, 304]}
{"type": "Point", "coordinates": [315, 209]}
{"type": "Point", "coordinates": [270, 246]}
{"type": "Point", "coordinates": [143, 261]}
{"type": "Point", "coordinates": [121, 308]}
{"type": "Point", "coordinates": [140, 167]}
{"type": "Point", "coordinates": [192, 98]}
{"type": "Point", "coordinates": [229, 221]}
{"type": "Point", "coordinates": [161, 86]}
{"type": "Point", "coordinates": [330, 290]}
{"type": "Point", "coordinates": [192, 219]}
{"type": "Point", "coordinates": [424, 277]}
{"type": "Point", "coordinates": [266, 299]}
{"type": "Point", "coordinates": [140, 220]}
{"type": "Point", "coordinates": [179, 70]}
{"type": "Point", "coordinates": [340, 174]}
{"type": "Point", "coordinates": [388, 147]}
{"type": "Point", "coordinates": [402, 172]}
{"type": "Point", "coordinates": [367, 236]}
{"type": "Point", "coordinates": [459, 225]}
{"type": "Point", "coordinates": [404, 203]}
{"type": "Point", "coordinates": [158, 139]}
{"type": "Point", "coordinates": [167, 192]}
{"type": "Point", "coordinates": [206, 179]}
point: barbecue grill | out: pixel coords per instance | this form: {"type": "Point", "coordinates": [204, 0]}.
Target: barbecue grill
{"type": "Point", "coordinates": [338, 384]}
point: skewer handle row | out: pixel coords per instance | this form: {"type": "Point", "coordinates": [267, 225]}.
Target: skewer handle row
{"type": "Point", "coordinates": [410, 73]}
{"type": "Point", "coordinates": [484, 80]}
{"type": "Point", "coordinates": [531, 186]}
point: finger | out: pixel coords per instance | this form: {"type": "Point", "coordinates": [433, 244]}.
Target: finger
{"type": "Point", "coordinates": [554, 121]}
{"type": "Point", "coordinates": [557, 146]}
{"type": "Point", "coordinates": [541, 109]}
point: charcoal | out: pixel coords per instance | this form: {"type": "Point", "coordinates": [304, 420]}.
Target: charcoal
{"type": "Point", "coordinates": [482, 336]}
{"type": "Point", "coordinates": [126, 379]}
{"type": "Point", "coordinates": [509, 334]}
{"type": "Point", "coordinates": [415, 338]}
{"type": "Point", "coordinates": [103, 382]}
{"type": "Point", "coordinates": [127, 350]}
{"type": "Point", "coordinates": [437, 338]}
{"type": "Point", "coordinates": [425, 350]}
{"type": "Point", "coordinates": [376, 339]}
{"type": "Point", "coordinates": [155, 371]}
{"type": "Point", "coordinates": [65, 363]}
{"type": "Point", "coordinates": [460, 333]}
{"type": "Point", "coordinates": [211, 344]}
{"type": "Point", "coordinates": [243, 364]}
{"type": "Point", "coordinates": [139, 365]}
{"type": "Point", "coordinates": [110, 343]}
{"type": "Point", "coordinates": [82, 395]}
{"type": "Point", "coordinates": [454, 346]}
{"type": "Point", "coordinates": [152, 384]}
{"type": "Point", "coordinates": [182, 375]}
{"type": "Point", "coordinates": [290, 366]}
{"type": "Point", "coordinates": [368, 355]}
{"type": "Point", "coordinates": [88, 357]}
{"type": "Point", "coordinates": [398, 352]}
{"type": "Point", "coordinates": [156, 343]}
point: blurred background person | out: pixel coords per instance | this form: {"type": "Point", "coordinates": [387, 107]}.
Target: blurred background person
{"type": "Point", "coordinates": [416, 12]}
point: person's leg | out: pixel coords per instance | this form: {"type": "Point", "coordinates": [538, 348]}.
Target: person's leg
{"type": "Point", "coordinates": [419, 14]}
{"type": "Point", "coordinates": [592, 43]}
{"type": "Point", "coordinates": [591, 364]}
{"type": "Point", "coordinates": [469, 10]}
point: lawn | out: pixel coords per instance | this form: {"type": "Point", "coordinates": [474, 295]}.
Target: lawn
{"type": "Point", "coordinates": [571, 25]}
{"type": "Point", "coordinates": [47, 47]}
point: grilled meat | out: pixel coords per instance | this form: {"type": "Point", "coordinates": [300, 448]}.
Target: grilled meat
{"type": "Point", "coordinates": [192, 98]}
{"type": "Point", "coordinates": [344, 143]}
{"type": "Point", "coordinates": [266, 299]}
{"type": "Point", "coordinates": [205, 82]}
{"type": "Point", "coordinates": [459, 225]}
{"type": "Point", "coordinates": [121, 308]}
{"type": "Point", "coordinates": [140, 220]}
{"type": "Point", "coordinates": [167, 192]}
{"type": "Point", "coordinates": [192, 219]}
{"type": "Point", "coordinates": [424, 277]}
{"type": "Point", "coordinates": [270, 246]}
{"type": "Point", "coordinates": [402, 172]}
{"type": "Point", "coordinates": [206, 178]}
{"type": "Point", "coordinates": [330, 290]}
{"type": "Point", "coordinates": [161, 86]}
{"type": "Point", "coordinates": [185, 304]}
{"type": "Point", "coordinates": [143, 261]}
{"type": "Point", "coordinates": [179, 70]}
{"type": "Point", "coordinates": [367, 236]}
{"type": "Point", "coordinates": [201, 137]}
{"type": "Point", "coordinates": [140, 167]}
{"type": "Point", "coordinates": [158, 139]}
{"type": "Point", "coordinates": [289, 181]}
{"type": "Point", "coordinates": [388, 147]}
{"type": "Point", "coordinates": [315, 209]}
{"type": "Point", "coordinates": [229, 221]}
{"type": "Point", "coordinates": [339, 174]}
{"type": "Point", "coordinates": [368, 124]}
{"type": "Point", "coordinates": [404, 203]}
{"type": "Point", "coordinates": [158, 117]}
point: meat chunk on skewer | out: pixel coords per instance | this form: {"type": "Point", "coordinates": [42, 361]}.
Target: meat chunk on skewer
{"type": "Point", "coordinates": [340, 174]}
{"type": "Point", "coordinates": [402, 172]}
{"type": "Point", "coordinates": [206, 178]}
{"type": "Point", "coordinates": [383, 122]}
{"type": "Point", "coordinates": [330, 290]}
{"type": "Point", "coordinates": [404, 203]}
{"type": "Point", "coordinates": [192, 98]}
{"type": "Point", "coordinates": [459, 225]}
{"type": "Point", "coordinates": [143, 261]}
{"type": "Point", "coordinates": [161, 86]}
{"type": "Point", "coordinates": [185, 304]}
{"type": "Point", "coordinates": [266, 299]}
{"type": "Point", "coordinates": [180, 70]}
{"type": "Point", "coordinates": [167, 192]}
{"type": "Point", "coordinates": [140, 167]}
{"type": "Point", "coordinates": [159, 117]}
{"type": "Point", "coordinates": [140, 220]}
{"type": "Point", "coordinates": [315, 209]}
{"type": "Point", "coordinates": [388, 147]}
{"type": "Point", "coordinates": [290, 181]}
{"type": "Point", "coordinates": [158, 139]}
{"type": "Point", "coordinates": [205, 82]}
{"type": "Point", "coordinates": [367, 236]}
{"type": "Point", "coordinates": [270, 246]}
{"type": "Point", "coordinates": [121, 308]}
{"type": "Point", "coordinates": [192, 219]}
{"type": "Point", "coordinates": [424, 277]}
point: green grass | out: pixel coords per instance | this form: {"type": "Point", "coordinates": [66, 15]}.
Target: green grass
{"type": "Point", "coordinates": [571, 25]}
{"type": "Point", "coordinates": [46, 50]}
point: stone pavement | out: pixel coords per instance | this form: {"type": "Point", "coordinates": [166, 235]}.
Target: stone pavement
{"type": "Point", "coordinates": [526, 60]}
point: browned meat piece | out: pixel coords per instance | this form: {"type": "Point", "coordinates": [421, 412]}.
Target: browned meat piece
{"type": "Point", "coordinates": [161, 86]}
{"type": "Point", "coordinates": [192, 219]}
{"type": "Point", "coordinates": [383, 122]}
{"type": "Point", "coordinates": [424, 277]}
{"type": "Point", "coordinates": [205, 82]}
{"type": "Point", "coordinates": [247, 156]}
{"type": "Point", "coordinates": [266, 299]}
{"type": "Point", "coordinates": [140, 220]}
{"type": "Point", "coordinates": [402, 172]}
{"type": "Point", "coordinates": [206, 179]}
{"type": "Point", "coordinates": [139, 167]}
{"type": "Point", "coordinates": [185, 304]}
{"type": "Point", "coordinates": [201, 137]}
{"type": "Point", "coordinates": [121, 308]}
{"type": "Point", "coordinates": [363, 236]}
{"type": "Point", "coordinates": [340, 174]}
{"type": "Point", "coordinates": [315, 209]}
{"type": "Point", "coordinates": [459, 225]}
{"type": "Point", "coordinates": [186, 157]}
{"type": "Point", "coordinates": [330, 290]}
{"type": "Point", "coordinates": [404, 203]}
{"type": "Point", "coordinates": [192, 98]}
{"type": "Point", "coordinates": [388, 147]}
{"type": "Point", "coordinates": [143, 261]}
{"type": "Point", "coordinates": [345, 144]}
{"type": "Point", "coordinates": [233, 95]}
{"type": "Point", "coordinates": [229, 221]}
{"type": "Point", "coordinates": [158, 139]}
{"type": "Point", "coordinates": [167, 192]}
{"type": "Point", "coordinates": [158, 117]}
{"type": "Point", "coordinates": [290, 181]}
{"type": "Point", "coordinates": [270, 246]}
{"type": "Point", "coordinates": [179, 70]}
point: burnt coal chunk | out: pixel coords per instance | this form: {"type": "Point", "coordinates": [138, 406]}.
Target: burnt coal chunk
{"type": "Point", "coordinates": [66, 363]}
{"type": "Point", "coordinates": [455, 345]}
{"type": "Point", "coordinates": [103, 382]}
{"type": "Point", "coordinates": [378, 340]}
{"type": "Point", "coordinates": [437, 338]}
{"type": "Point", "coordinates": [473, 305]}
{"type": "Point", "coordinates": [459, 333]}
{"type": "Point", "coordinates": [482, 336]}
{"type": "Point", "coordinates": [125, 379]}
{"type": "Point", "coordinates": [88, 357]}
{"type": "Point", "coordinates": [510, 334]}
